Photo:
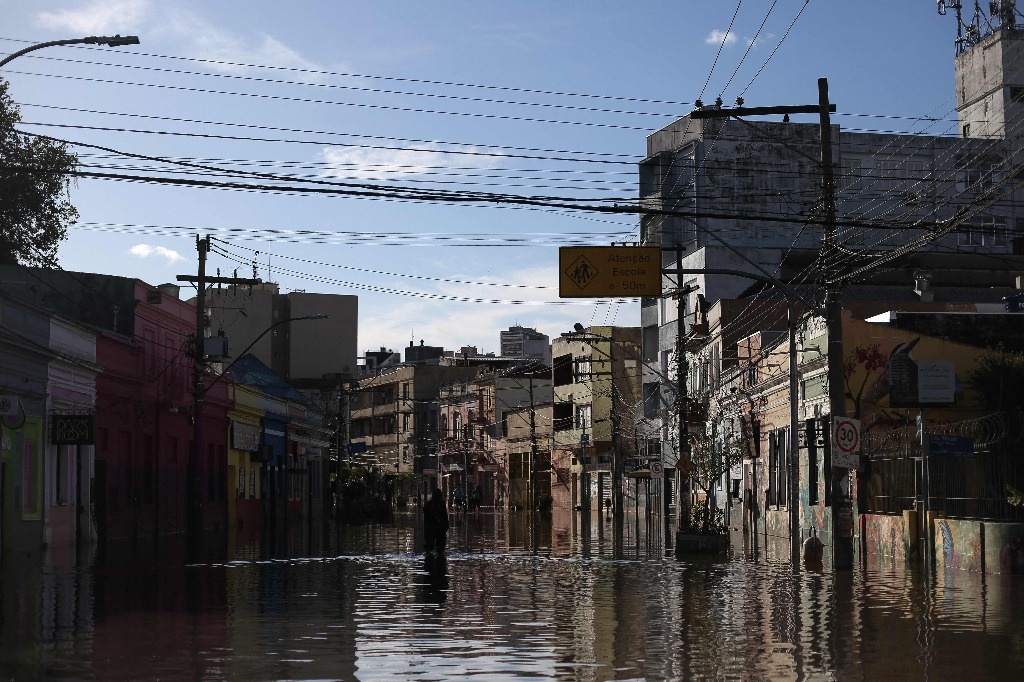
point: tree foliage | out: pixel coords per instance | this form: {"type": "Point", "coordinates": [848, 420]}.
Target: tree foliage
{"type": "Point", "coordinates": [710, 464]}
{"type": "Point", "coordinates": [35, 179]}
{"type": "Point", "coordinates": [997, 379]}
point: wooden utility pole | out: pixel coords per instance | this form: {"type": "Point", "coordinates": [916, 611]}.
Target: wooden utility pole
{"type": "Point", "coordinates": [194, 507]}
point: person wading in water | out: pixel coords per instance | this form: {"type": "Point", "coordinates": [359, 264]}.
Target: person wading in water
{"type": "Point", "coordinates": [435, 523]}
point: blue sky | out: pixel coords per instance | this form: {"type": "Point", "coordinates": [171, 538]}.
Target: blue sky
{"type": "Point", "coordinates": [521, 98]}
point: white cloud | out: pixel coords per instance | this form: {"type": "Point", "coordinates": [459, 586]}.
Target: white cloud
{"type": "Point", "coordinates": [204, 40]}
{"type": "Point", "coordinates": [383, 164]}
{"type": "Point", "coordinates": [146, 250]}
{"type": "Point", "coordinates": [100, 17]}
{"type": "Point", "coordinates": [190, 33]}
{"type": "Point", "coordinates": [717, 36]}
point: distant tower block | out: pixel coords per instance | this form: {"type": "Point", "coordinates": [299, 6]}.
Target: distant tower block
{"type": "Point", "coordinates": [989, 68]}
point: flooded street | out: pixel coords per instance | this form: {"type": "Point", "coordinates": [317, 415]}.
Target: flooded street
{"type": "Point", "coordinates": [573, 604]}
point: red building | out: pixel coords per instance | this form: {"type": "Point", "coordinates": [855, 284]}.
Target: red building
{"type": "Point", "coordinates": [145, 429]}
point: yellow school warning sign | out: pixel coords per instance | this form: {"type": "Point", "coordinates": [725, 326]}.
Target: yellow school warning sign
{"type": "Point", "coordinates": [609, 271]}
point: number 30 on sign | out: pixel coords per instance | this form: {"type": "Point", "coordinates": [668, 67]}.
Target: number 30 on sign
{"type": "Point", "coordinates": [845, 442]}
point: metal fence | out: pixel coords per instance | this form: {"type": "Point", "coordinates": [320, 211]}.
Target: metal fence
{"type": "Point", "coordinates": [958, 486]}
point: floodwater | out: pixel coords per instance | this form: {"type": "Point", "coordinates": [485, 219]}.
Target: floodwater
{"type": "Point", "coordinates": [510, 601]}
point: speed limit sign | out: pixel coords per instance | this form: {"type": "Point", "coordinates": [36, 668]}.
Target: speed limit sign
{"type": "Point", "coordinates": [845, 442]}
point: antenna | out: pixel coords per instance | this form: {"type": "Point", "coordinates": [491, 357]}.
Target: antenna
{"type": "Point", "coordinates": [1002, 14]}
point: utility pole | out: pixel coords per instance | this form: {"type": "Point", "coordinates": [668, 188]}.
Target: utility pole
{"type": "Point", "coordinates": [685, 466]}
{"type": "Point", "coordinates": [533, 465]}
{"type": "Point", "coordinates": [685, 513]}
{"type": "Point", "coordinates": [842, 504]}
{"type": "Point", "coordinates": [617, 500]}
{"type": "Point", "coordinates": [842, 531]}
{"type": "Point", "coordinates": [194, 508]}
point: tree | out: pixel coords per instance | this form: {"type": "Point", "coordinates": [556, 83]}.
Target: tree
{"type": "Point", "coordinates": [997, 379]}
{"type": "Point", "coordinates": [710, 464]}
{"type": "Point", "coordinates": [35, 179]}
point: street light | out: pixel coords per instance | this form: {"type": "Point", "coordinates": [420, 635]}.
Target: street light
{"type": "Point", "coordinates": [193, 511]}
{"type": "Point", "coordinates": [109, 41]}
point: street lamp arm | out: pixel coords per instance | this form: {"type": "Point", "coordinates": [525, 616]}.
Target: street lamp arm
{"type": "Point", "coordinates": [109, 41]}
{"type": "Point", "coordinates": [787, 291]}
{"type": "Point", "coordinates": [257, 339]}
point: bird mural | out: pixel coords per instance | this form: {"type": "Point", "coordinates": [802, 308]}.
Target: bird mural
{"type": "Point", "coordinates": [902, 374]}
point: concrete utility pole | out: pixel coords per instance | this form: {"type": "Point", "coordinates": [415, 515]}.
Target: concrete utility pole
{"type": "Point", "coordinates": [842, 504]}
{"type": "Point", "coordinates": [194, 509]}
{"type": "Point", "coordinates": [842, 531]}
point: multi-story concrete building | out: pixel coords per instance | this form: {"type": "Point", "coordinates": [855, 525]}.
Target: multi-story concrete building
{"type": "Point", "coordinates": [302, 351]}
{"type": "Point", "coordinates": [747, 196]}
{"type": "Point", "coordinates": [525, 342]}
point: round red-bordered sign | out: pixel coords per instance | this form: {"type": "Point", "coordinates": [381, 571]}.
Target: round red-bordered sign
{"type": "Point", "coordinates": [847, 435]}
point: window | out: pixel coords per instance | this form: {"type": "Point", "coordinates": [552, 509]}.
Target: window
{"type": "Point", "coordinates": [980, 177]}
{"type": "Point", "coordinates": [211, 472]}
{"type": "Point", "coordinates": [561, 370]}
{"type": "Point", "coordinates": [584, 417]}
{"type": "Point", "coordinates": [984, 231]}
{"type": "Point", "coordinates": [888, 174]}
{"type": "Point", "coordinates": [405, 454]}
{"type": "Point", "coordinates": [518, 466]}
{"type": "Point", "coordinates": [650, 341]}
{"type": "Point", "coordinates": [405, 422]}
{"type": "Point", "coordinates": [778, 467]}
{"type": "Point", "coordinates": [812, 461]}
{"type": "Point", "coordinates": [562, 416]}
{"type": "Point", "coordinates": [652, 399]}
{"type": "Point", "coordinates": [995, 233]}
{"type": "Point", "coordinates": [60, 476]}
{"type": "Point", "coordinates": [582, 370]}
{"type": "Point", "coordinates": [852, 175]}
{"type": "Point", "coordinates": [148, 468]}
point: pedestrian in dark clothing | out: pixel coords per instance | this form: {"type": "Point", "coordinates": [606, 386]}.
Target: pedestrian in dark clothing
{"type": "Point", "coordinates": [435, 523]}
{"type": "Point", "coordinates": [477, 496]}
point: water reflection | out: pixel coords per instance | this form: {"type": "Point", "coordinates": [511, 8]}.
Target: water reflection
{"type": "Point", "coordinates": [589, 603]}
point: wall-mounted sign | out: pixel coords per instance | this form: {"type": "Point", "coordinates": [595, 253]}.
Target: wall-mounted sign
{"type": "Point", "coordinates": [8, 405]}
{"type": "Point", "coordinates": [952, 446]}
{"type": "Point", "coordinates": [936, 382]}
{"type": "Point", "coordinates": [72, 429]}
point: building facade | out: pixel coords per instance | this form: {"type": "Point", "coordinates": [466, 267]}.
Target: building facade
{"type": "Point", "coordinates": [525, 342]}
{"type": "Point", "coordinates": [596, 404]}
